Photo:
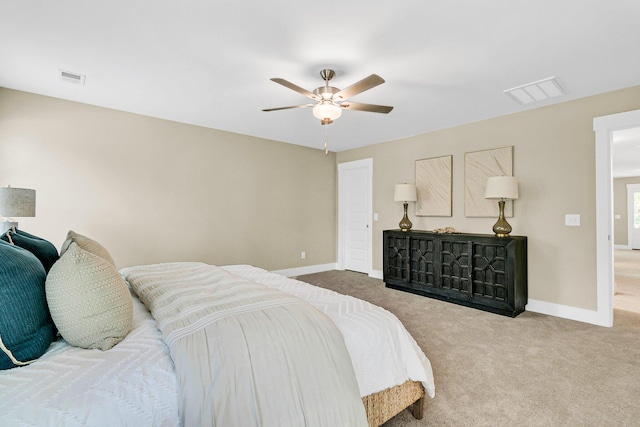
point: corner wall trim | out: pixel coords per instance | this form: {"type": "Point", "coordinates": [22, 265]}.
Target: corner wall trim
{"type": "Point", "coordinates": [310, 269]}
{"type": "Point", "coordinates": [566, 312]}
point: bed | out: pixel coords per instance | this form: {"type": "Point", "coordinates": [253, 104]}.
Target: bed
{"type": "Point", "coordinates": [149, 376]}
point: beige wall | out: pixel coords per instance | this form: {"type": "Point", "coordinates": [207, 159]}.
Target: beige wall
{"type": "Point", "coordinates": [152, 190]}
{"type": "Point", "coordinates": [621, 226]}
{"type": "Point", "coordinates": [554, 161]}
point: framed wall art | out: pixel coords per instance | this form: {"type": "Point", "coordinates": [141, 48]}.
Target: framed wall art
{"type": "Point", "coordinates": [478, 166]}
{"type": "Point", "coordinates": [433, 186]}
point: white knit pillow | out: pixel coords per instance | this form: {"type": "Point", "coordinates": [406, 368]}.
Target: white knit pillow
{"type": "Point", "coordinates": [87, 244]}
{"type": "Point", "coordinates": [89, 301]}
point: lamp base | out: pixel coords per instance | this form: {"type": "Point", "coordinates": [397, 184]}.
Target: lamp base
{"type": "Point", "coordinates": [7, 225]}
{"type": "Point", "coordinates": [502, 227]}
{"type": "Point", "coordinates": [405, 224]}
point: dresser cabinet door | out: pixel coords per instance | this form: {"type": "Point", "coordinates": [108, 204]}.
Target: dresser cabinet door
{"type": "Point", "coordinates": [454, 265]}
{"type": "Point", "coordinates": [424, 266]}
{"type": "Point", "coordinates": [490, 276]}
{"type": "Point", "coordinates": [396, 258]}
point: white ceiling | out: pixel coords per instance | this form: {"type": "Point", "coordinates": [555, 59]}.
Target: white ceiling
{"type": "Point", "coordinates": [209, 63]}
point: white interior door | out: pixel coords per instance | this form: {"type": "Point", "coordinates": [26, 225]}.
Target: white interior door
{"type": "Point", "coordinates": [633, 202]}
{"type": "Point", "coordinates": [354, 186]}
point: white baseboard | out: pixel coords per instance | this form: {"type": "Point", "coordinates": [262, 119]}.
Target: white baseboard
{"type": "Point", "coordinates": [376, 274]}
{"type": "Point", "coordinates": [299, 271]}
{"type": "Point", "coordinates": [566, 312]}
{"type": "Point", "coordinates": [310, 269]}
{"type": "Point", "coordinates": [628, 247]}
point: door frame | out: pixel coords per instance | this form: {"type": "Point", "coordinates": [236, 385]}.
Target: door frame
{"type": "Point", "coordinates": [342, 209]}
{"type": "Point", "coordinates": [631, 189]}
{"type": "Point", "coordinates": [604, 127]}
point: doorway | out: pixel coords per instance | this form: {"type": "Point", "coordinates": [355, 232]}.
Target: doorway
{"type": "Point", "coordinates": [604, 127]}
{"type": "Point", "coordinates": [633, 212]}
{"type": "Point", "coordinates": [354, 215]}
{"type": "Point", "coordinates": [627, 280]}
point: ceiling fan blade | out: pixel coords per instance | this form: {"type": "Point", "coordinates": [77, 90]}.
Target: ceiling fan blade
{"type": "Point", "coordinates": [297, 88]}
{"type": "Point", "coordinates": [287, 108]}
{"type": "Point", "coordinates": [385, 109]}
{"type": "Point", "coordinates": [365, 84]}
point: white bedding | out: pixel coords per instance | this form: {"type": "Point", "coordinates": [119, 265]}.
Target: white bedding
{"type": "Point", "coordinates": [376, 340]}
{"type": "Point", "coordinates": [247, 354]}
{"type": "Point", "coordinates": [134, 383]}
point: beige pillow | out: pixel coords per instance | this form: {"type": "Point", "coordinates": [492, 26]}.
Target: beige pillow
{"type": "Point", "coordinates": [89, 301]}
{"type": "Point", "coordinates": [87, 244]}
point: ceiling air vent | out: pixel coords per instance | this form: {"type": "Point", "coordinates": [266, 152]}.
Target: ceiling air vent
{"type": "Point", "coordinates": [536, 91]}
{"type": "Point", "coordinates": [71, 77]}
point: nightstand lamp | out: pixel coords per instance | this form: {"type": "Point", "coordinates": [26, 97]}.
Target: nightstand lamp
{"type": "Point", "coordinates": [405, 193]}
{"type": "Point", "coordinates": [501, 188]}
{"type": "Point", "coordinates": [16, 202]}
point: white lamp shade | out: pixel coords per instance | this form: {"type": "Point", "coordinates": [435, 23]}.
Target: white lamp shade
{"type": "Point", "coordinates": [405, 193]}
{"type": "Point", "coordinates": [17, 202]}
{"type": "Point", "coordinates": [327, 110]}
{"type": "Point", "coordinates": [501, 187]}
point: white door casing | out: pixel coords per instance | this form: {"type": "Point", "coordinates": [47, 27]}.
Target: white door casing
{"type": "Point", "coordinates": [354, 215]}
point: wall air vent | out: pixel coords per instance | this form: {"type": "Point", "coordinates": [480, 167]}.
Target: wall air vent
{"type": "Point", "coordinates": [71, 77]}
{"type": "Point", "coordinates": [536, 91]}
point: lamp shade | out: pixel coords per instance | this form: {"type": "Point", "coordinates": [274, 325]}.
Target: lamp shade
{"type": "Point", "coordinates": [326, 110]}
{"type": "Point", "coordinates": [405, 193]}
{"type": "Point", "coordinates": [501, 187]}
{"type": "Point", "coordinates": [17, 202]}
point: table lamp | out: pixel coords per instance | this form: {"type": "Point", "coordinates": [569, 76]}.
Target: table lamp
{"type": "Point", "coordinates": [405, 193]}
{"type": "Point", "coordinates": [16, 202]}
{"type": "Point", "coordinates": [502, 188]}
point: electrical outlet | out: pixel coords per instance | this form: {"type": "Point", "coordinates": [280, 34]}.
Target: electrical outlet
{"type": "Point", "coordinates": [303, 255]}
{"type": "Point", "coordinates": [572, 220]}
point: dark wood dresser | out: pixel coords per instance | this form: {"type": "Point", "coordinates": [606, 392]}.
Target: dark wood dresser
{"type": "Point", "coordinates": [476, 270]}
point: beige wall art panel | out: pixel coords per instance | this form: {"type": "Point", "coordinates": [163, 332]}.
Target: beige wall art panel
{"type": "Point", "coordinates": [478, 166]}
{"type": "Point", "coordinates": [433, 185]}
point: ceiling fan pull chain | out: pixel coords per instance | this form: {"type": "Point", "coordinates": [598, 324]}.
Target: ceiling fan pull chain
{"type": "Point", "coordinates": [326, 150]}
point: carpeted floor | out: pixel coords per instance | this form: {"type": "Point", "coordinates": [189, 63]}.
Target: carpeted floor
{"type": "Point", "coordinates": [533, 370]}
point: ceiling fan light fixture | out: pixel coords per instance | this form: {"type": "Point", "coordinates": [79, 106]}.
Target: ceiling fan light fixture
{"type": "Point", "coordinates": [326, 112]}
{"type": "Point", "coordinates": [329, 100]}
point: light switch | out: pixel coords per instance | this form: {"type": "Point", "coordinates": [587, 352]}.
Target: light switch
{"type": "Point", "coordinates": [572, 220]}
{"type": "Point", "coordinates": [375, 216]}
{"type": "Point", "coordinates": [618, 216]}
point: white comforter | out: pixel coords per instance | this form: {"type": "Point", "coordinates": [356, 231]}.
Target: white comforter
{"type": "Point", "coordinates": [132, 384]}
{"type": "Point", "coordinates": [246, 354]}
{"type": "Point", "coordinates": [384, 354]}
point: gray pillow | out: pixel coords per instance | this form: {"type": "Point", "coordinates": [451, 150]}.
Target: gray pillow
{"type": "Point", "coordinates": [87, 244]}
{"type": "Point", "coordinates": [89, 301]}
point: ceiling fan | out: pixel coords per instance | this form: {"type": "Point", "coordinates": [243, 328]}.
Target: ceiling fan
{"type": "Point", "coordinates": [330, 101]}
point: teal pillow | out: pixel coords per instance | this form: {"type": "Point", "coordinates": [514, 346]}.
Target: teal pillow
{"type": "Point", "coordinates": [44, 250]}
{"type": "Point", "coordinates": [26, 328]}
